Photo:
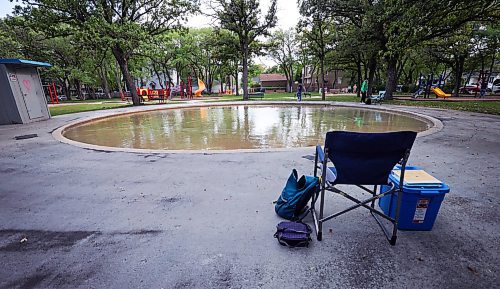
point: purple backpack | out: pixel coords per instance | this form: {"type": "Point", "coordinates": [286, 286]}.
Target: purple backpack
{"type": "Point", "coordinates": [293, 234]}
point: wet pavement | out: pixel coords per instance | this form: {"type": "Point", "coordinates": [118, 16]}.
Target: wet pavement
{"type": "Point", "coordinates": [72, 217]}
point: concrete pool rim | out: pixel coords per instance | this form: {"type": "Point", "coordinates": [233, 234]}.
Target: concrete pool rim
{"type": "Point", "coordinates": [435, 124]}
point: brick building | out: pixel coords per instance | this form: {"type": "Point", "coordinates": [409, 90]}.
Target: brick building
{"type": "Point", "coordinates": [273, 82]}
{"type": "Point", "coordinates": [337, 80]}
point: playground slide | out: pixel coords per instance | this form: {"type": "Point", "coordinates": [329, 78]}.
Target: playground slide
{"type": "Point", "coordinates": [439, 93]}
{"type": "Point", "coordinates": [201, 88]}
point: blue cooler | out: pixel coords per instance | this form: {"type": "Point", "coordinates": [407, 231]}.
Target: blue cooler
{"type": "Point", "coordinates": [419, 205]}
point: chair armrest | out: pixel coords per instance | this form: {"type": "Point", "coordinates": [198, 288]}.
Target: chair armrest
{"type": "Point", "coordinates": [320, 153]}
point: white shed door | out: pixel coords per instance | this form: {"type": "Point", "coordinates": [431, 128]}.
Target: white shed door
{"type": "Point", "coordinates": [28, 81]}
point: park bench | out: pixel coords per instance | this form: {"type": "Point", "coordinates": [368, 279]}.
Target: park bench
{"type": "Point", "coordinates": [256, 94]}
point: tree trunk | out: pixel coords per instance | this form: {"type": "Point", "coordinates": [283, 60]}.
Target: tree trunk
{"type": "Point", "coordinates": [66, 89]}
{"type": "Point", "coordinates": [372, 66]}
{"type": "Point", "coordinates": [236, 84]}
{"type": "Point", "coordinates": [158, 76]}
{"type": "Point", "coordinates": [358, 84]}
{"type": "Point", "coordinates": [91, 91]}
{"type": "Point", "coordinates": [221, 82]}
{"type": "Point", "coordinates": [178, 75]}
{"type": "Point", "coordinates": [490, 71]}
{"type": "Point", "coordinates": [390, 85]}
{"type": "Point", "coordinates": [78, 86]}
{"type": "Point", "coordinates": [168, 78]}
{"type": "Point", "coordinates": [291, 78]}
{"type": "Point", "coordinates": [459, 69]}
{"type": "Point", "coordinates": [322, 84]}
{"type": "Point", "coordinates": [104, 80]}
{"type": "Point", "coordinates": [303, 75]}
{"type": "Point", "coordinates": [118, 80]}
{"type": "Point", "coordinates": [287, 76]}
{"type": "Point", "coordinates": [123, 63]}
{"type": "Point", "coordinates": [245, 73]}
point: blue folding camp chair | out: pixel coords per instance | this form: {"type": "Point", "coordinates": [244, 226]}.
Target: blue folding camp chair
{"type": "Point", "coordinates": [361, 159]}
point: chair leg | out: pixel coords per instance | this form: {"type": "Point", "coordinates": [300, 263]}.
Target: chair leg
{"type": "Point", "coordinates": [374, 194]}
{"type": "Point", "coordinates": [321, 207]}
{"type": "Point", "coordinates": [322, 198]}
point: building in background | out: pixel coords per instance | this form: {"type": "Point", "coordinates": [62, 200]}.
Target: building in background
{"type": "Point", "coordinates": [273, 82]}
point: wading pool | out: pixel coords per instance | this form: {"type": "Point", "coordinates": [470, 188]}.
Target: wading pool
{"type": "Point", "coordinates": [237, 127]}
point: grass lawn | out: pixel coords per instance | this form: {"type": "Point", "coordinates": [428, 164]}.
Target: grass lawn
{"type": "Point", "coordinates": [490, 107]}
{"type": "Point", "coordinates": [290, 97]}
{"type": "Point", "coordinates": [91, 100]}
{"type": "Point", "coordinates": [65, 109]}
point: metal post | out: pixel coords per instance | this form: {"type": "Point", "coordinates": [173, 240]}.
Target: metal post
{"type": "Point", "coordinates": [322, 201]}
{"type": "Point", "coordinates": [400, 198]}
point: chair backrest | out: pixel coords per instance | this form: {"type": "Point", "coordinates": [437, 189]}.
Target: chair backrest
{"type": "Point", "coordinates": [366, 158]}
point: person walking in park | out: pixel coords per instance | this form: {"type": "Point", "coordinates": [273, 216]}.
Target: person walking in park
{"type": "Point", "coordinates": [484, 85]}
{"type": "Point", "coordinates": [299, 92]}
{"type": "Point", "coordinates": [364, 88]}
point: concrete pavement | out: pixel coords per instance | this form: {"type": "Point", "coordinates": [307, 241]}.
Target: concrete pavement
{"type": "Point", "coordinates": [97, 219]}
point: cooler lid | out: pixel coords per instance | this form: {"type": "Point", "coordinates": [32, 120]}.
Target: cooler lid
{"type": "Point", "coordinates": [416, 178]}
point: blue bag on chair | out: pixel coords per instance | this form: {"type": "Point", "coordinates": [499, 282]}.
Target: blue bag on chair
{"type": "Point", "coordinates": [296, 195]}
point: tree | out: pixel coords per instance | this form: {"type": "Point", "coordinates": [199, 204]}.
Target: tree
{"type": "Point", "coordinates": [283, 49]}
{"type": "Point", "coordinates": [318, 28]}
{"type": "Point", "coordinates": [227, 55]}
{"type": "Point", "coordinates": [10, 47]}
{"type": "Point", "coordinates": [243, 18]}
{"type": "Point", "coordinates": [123, 24]}
{"type": "Point", "coordinates": [397, 26]}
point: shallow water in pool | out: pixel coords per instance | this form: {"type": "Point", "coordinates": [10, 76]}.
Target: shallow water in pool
{"type": "Point", "coordinates": [236, 127]}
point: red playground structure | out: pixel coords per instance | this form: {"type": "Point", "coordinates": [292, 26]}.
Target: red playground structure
{"type": "Point", "coordinates": [185, 91]}
{"type": "Point", "coordinates": [147, 94]}
{"type": "Point", "coordinates": [51, 87]}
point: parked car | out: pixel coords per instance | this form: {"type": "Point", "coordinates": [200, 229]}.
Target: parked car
{"type": "Point", "coordinates": [495, 86]}
{"type": "Point", "coordinates": [100, 94]}
{"type": "Point", "coordinates": [470, 89]}
{"type": "Point", "coordinates": [62, 97]}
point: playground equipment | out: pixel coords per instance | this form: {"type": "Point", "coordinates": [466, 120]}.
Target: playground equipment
{"type": "Point", "coordinates": [201, 88]}
{"type": "Point", "coordinates": [184, 90]}
{"type": "Point", "coordinates": [147, 94]}
{"type": "Point", "coordinates": [53, 93]}
{"type": "Point", "coordinates": [439, 93]}
{"type": "Point", "coordinates": [426, 85]}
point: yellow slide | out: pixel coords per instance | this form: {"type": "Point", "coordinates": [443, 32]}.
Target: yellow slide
{"type": "Point", "coordinates": [201, 88]}
{"type": "Point", "coordinates": [439, 93]}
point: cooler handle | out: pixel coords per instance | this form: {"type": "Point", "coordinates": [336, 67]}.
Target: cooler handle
{"type": "Point", "coordinates": [430, 192]}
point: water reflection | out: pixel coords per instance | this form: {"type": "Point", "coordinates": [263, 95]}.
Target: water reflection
{"type": "Point", "coordinates": [236, 127]}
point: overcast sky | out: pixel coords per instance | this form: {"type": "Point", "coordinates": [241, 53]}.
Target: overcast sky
{"type": "Point", "coordinates": [288, 15]}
